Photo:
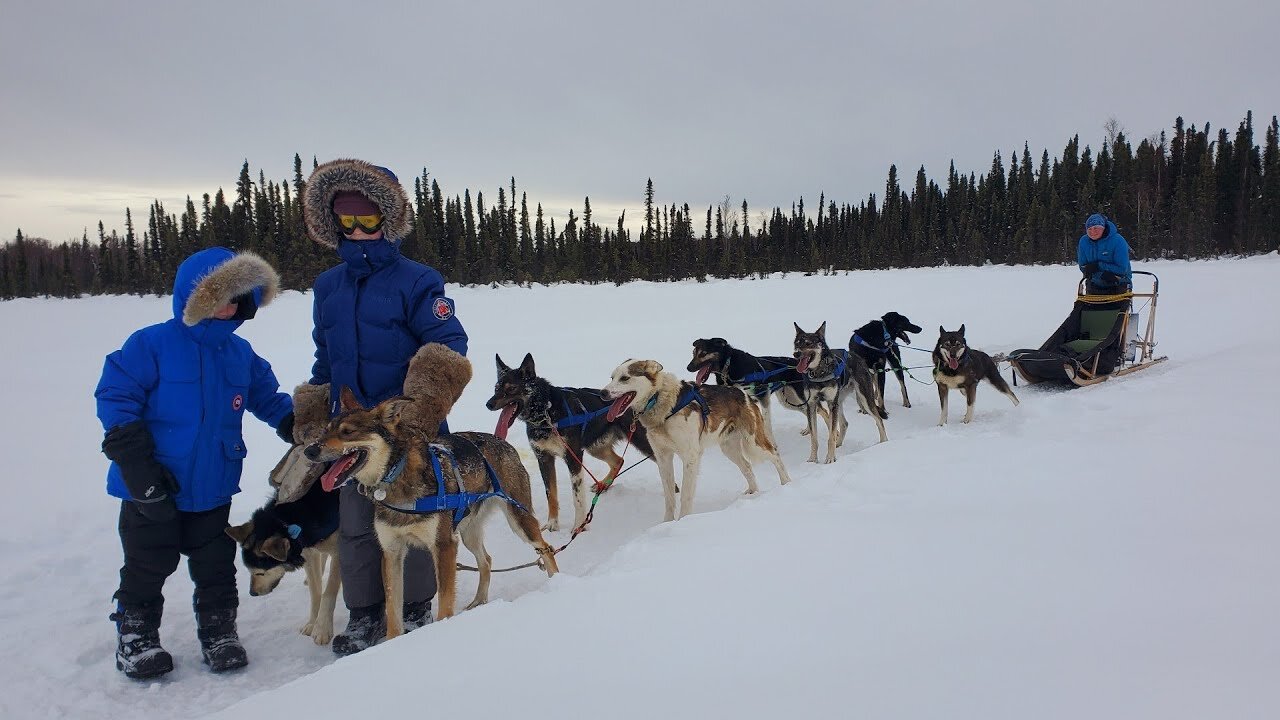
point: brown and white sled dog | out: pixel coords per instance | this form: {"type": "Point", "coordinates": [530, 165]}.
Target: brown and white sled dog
{"type": "Point", "coordinates": [562, 422]}
{"type": "Point", "coordinates": [683, 420]}
{"type": "Point", "coordinates": [366, 444]}
{"type": "Point", "coordinates": [830, 378]}
{"type": "Point", "coordinates": [958, 366]}
{"type": "Point", "coordinates": [281, 537]}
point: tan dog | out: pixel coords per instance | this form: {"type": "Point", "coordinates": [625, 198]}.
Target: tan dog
{"type": "Point", "coordinates": [725, 416]}
{"type": "Point", "coordinates": [368, 445]}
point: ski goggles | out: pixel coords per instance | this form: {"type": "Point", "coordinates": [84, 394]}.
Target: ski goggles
{"type": "Point", "coordinates": [368, 223]}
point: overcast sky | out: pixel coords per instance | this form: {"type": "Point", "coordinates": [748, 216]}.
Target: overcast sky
{"type": "Point", "coordinates": [108, 105]}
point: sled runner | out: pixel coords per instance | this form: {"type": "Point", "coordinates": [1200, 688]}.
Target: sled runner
{"type": "Point", "coordinates": [1099, 340]}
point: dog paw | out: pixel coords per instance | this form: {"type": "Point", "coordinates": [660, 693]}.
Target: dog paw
{"type": "Point", "coordinates": [306, 629]}
{"type": "Point", "coordinates": [906, 404]}
{"type": "Point", "coordinates": [322, 635]}
{"type": "Point", "coordinates": [552, 525]}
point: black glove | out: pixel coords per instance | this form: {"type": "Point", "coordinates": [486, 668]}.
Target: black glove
{"type": "Point", "coordinates": [285, 429]}
{"type": "Point", "coordinates": [150, 483]}
{"type": "Point", "coordinates": [1089, 268]}
{"type": "Point", "coordinates": [1110, 278]}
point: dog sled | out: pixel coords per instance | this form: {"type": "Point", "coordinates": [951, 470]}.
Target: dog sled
{"type": "Point", "coordinates": [1102, 338]}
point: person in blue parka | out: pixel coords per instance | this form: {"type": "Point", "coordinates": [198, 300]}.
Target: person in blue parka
{"type": "Point", "coordinates": [372, 313]}
{"type": "Point", "coordinates": [171, 401]}
{"type": "Point", "coordinates": [1103, 257]}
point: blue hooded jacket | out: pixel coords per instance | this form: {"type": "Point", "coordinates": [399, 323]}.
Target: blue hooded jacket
{"type": "Point", "coordinates": [372, 313]}
{"type": "Point", "coordinates": [1111, 252]}
{"type": "Point", "coordinates": [191, 386]}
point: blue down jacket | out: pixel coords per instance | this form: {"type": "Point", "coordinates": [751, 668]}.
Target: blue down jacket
{"type": "Point", "coordinates": [1111, 252]}
{"type": "Point", "coordinates": [191, 385]}
{"type": "Point", "coordinates": [371, 315]}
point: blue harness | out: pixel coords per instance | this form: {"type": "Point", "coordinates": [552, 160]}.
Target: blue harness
{"type": "Point", "coordinates": [690, 395]}
{"type": "Point", "coordinates": [458, 502]}
{"type": "Point", "coordinates": [579, 420]}
{"type": "Point", "coordinates": [842, 358]}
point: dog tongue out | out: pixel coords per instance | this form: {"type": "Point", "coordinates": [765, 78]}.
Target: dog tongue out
{"type": "Point", "coordinates": [803, 365]}
{"type": "Point", "coordinates": [703, 372]}
{"type": "Point", "coordinates": [619, 406]}
{"type": "Point", "coordinates": [505, 420]}
{"type": "Point", "coordinates": [336, 470]}
{"type": "Point", "coordinates": [953, 363]}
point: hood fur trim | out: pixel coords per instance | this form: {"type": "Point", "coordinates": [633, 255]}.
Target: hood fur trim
{"type": "Point", "coordinates": [237, 276]}
{"type": "Point", "coordinates": [370, 180]}
{"type": "Point", "coordinates": [310, 412]}
{"type": "Point", "coordinates": [435, 380]}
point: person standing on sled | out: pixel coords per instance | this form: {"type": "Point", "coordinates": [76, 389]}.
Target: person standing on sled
{"type": "Point", "coordinates": [372, 313]}
{"type": "Point", "coordinates": [171, 402]}
{"type": "Point", "coordinates": [1103, 257]}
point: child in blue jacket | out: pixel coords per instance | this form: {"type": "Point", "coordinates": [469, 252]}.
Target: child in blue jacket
{"type": "Point", "coordinates": [171, 402]}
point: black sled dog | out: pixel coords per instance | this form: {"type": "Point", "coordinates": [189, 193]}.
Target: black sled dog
{"type": "Point", "coordinates": [877, 344]}
{"type": "Point", "coordinates": [760, 376]}
{"type": "Point", "coordinates": [562, 422]}
{"type": "Point", "coordinates": [956, 366]}
{"type": "Point", "coordinates": [281, 537]}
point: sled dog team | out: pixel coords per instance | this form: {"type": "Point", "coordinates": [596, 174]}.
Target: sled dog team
{"type": "Point", "coordinates": [373, 476]}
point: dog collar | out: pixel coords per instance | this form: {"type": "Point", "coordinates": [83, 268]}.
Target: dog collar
{"type": "Point", "coordinates": [653, 400]}
{"type": "Point", "coordinates": [294, 531]}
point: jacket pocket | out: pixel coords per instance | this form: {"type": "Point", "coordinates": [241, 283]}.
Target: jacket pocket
{"type": "Point", "coordinates": [233, 453]}
{"type": "Point", "coordinates": [176, 405]}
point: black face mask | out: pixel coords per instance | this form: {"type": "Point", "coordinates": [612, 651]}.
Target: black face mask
{"type": "Point", "coordinates": [246, 308]}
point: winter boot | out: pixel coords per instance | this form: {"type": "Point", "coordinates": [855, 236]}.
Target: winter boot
{"type": "Point", "coordinates": [366, 626]}
{"type": "Point", "coordinates": [138, 651]}
{"type": "Point", "coordinates": [416, 614]}
{"type": "Point", "coordinates": [219, 643]}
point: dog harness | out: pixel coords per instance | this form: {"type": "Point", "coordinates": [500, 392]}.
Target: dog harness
{"type": "Point", "coordinates": [842, 357]}
{"type": "Point", "coordinates": [459, 502]}
{"type": "Point", "coordinates": [579, 420]}
{"type": "Point", "coordinates": [690, 395]}
{"type": "Point", "coordinates": [888, 340]}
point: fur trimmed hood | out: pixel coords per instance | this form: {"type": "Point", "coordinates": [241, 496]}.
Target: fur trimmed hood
{"type": "Point", "coordinates": [211, 278]}
{"type": "Point", "coordinates": [435, 380]}
{"type": "Point", "coordinates": [374, 182]}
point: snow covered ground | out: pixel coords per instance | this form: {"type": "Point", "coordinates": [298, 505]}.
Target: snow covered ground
{"type": "Point", "coordinates": [1109, 552]}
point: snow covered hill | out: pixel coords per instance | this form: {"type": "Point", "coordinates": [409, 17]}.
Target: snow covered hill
{"type": "Point", "coordinates": [1108, 552]}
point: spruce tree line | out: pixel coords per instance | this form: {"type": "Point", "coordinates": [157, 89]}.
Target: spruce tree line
{"type": "Point", "coordinates": [1193, 195]}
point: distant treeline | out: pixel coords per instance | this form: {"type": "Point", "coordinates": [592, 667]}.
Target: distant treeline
{"type": "Point", "coordinates": [1191, 195]}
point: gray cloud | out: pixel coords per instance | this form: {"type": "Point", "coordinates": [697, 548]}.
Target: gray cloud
{"type": "Point", "coordinates": [758, 100]}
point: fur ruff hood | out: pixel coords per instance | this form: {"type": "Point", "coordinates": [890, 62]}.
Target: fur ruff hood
{"type": "Point", "coordinates": [243, 273]}
{"type": "Point", "coordinates": [376, 183]}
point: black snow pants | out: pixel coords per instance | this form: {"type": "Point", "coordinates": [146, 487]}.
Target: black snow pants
{"type": "Point", "coordinates": [152, 550]}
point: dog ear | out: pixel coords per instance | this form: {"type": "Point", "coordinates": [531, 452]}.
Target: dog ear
{"type": "Point", "coordinates": [393, 409]}
{"type": "Point", "coordinates": [822, 330]}
{"type": "Point", "coordinates": [347, 400]}
{"type": "Point", "coordinates": [502, 367]}
{"type": "Point", "coordinates": [277, 548]}
{"type": "Point", "coordinates": [240, 533]}
{"type": "Point", "coordinates": [961, 330]}
{"type": "Point", "coordinates": [526, 367]}
{"type": "Point", "coordinates": [798, 330]}
{"type": "Point", "coordinates": [941, 330]}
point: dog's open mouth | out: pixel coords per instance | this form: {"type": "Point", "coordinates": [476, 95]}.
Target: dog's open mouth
{"type": "Point", "coordinates": [953, 362]}
{"type": "Point", "coordinates": [506, 419]}
{"type": "Point", "coordinates": [703, 372]}
{"type": "Point", "coordinates": [342, 470]}
{"type": "Point", "coordinates": [620, 406]}
{"type": "Point", "coordinates": [803, 365]}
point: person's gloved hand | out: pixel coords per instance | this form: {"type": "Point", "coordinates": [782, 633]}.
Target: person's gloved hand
{"type": "Point", "coordinates": [151, 484]}
{"type": "Point", "coordinates": [285, 429]}
{"type": "Point", "coordinates": [1110, 278]}
{"type": "Point", "coordinates": [1089, 268]}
